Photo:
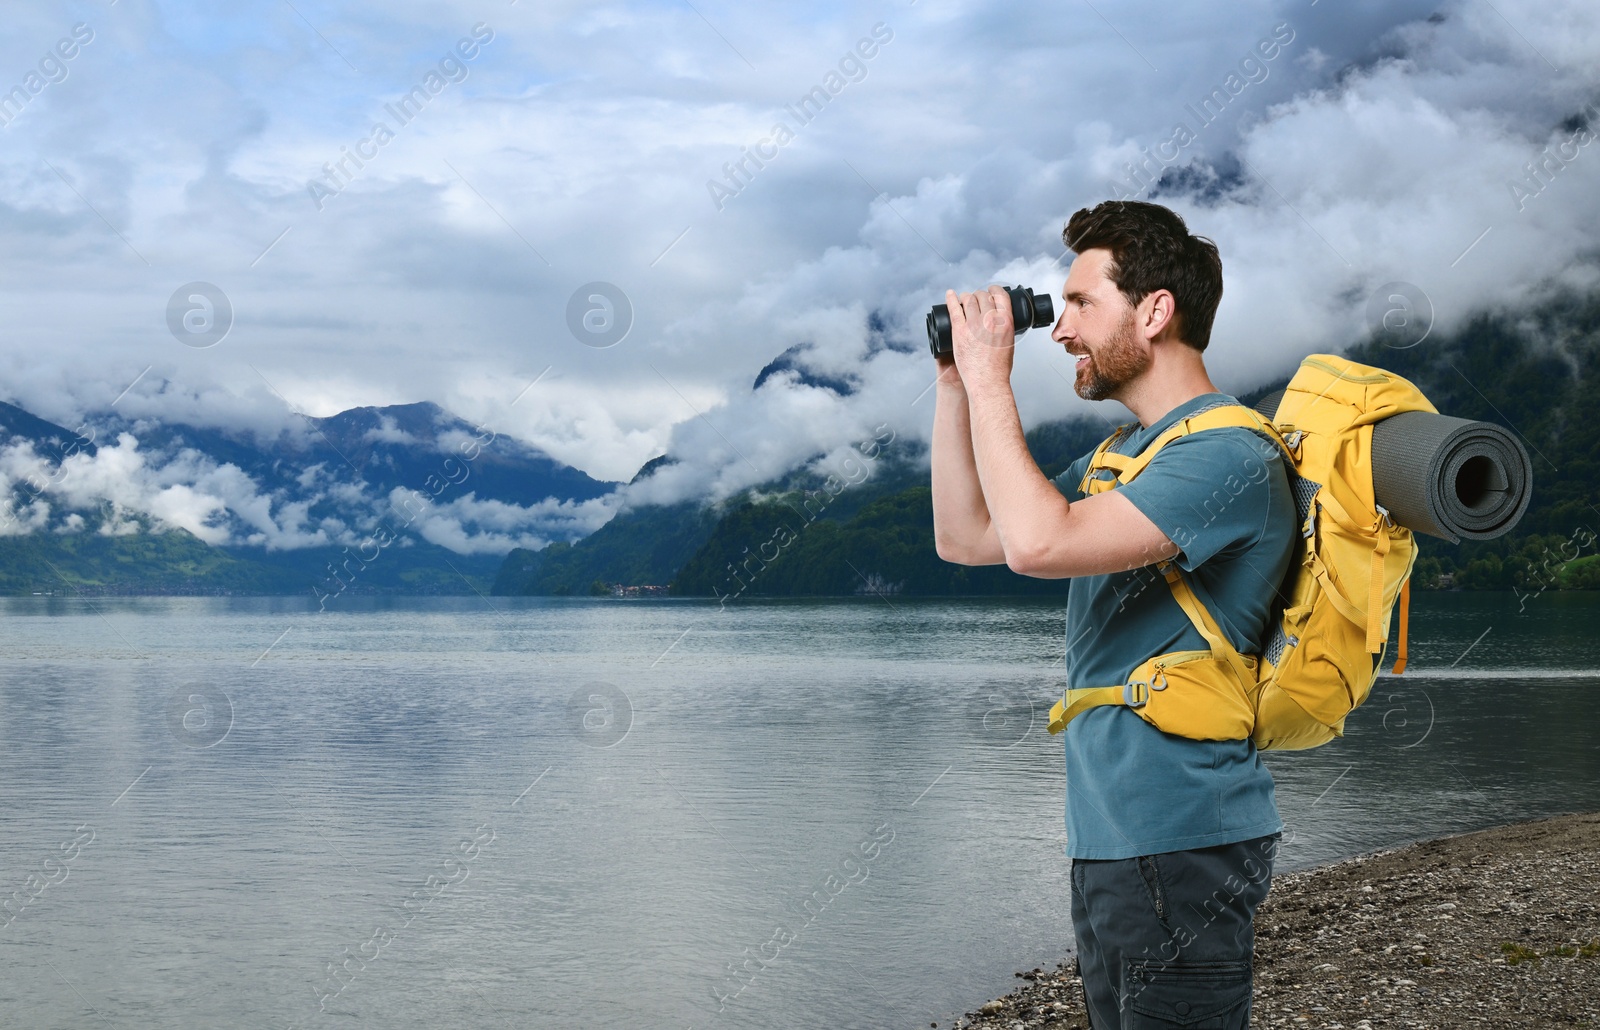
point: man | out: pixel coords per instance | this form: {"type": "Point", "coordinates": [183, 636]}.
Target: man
{"type": "Point", "coordinates": [1171, 839]}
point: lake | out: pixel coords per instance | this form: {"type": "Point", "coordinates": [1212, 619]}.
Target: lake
{"type": "Point", "coordinates": [241, 812]}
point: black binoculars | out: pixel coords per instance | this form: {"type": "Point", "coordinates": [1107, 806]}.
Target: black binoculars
{"type": "Point", "coordinates": [1027, 312]}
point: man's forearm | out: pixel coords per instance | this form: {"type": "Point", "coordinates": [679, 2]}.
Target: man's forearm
{"type": "Point", "coordinates": [1018, 497]}
{"type": "Point", "coordinates": [960, 516]}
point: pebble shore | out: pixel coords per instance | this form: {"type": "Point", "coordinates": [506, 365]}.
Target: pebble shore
{"type": "Point", "coordinates": [1491, 930]}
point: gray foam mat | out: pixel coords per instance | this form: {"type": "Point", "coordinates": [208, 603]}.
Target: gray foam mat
{"type": "Point", "coordinates": [1448, 477]}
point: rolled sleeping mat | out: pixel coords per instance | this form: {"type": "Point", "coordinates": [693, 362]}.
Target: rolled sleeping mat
{"type": "Point", "coordinates": [1448, 477]}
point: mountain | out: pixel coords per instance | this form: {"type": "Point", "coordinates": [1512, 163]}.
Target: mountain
{"type": "Point", "coordinates": [643, 547]}
{"type": "Point", "coordinates": [1534, 371]}
{"type": "Point", "coordinates": [47, 437]}
{"type": "Point", "coordinates": [412, 499]}
{"type": "Point", "coordinates": [880, 544]}
{"type": "Point", "coordinates": [144, 562]}
{"type": "Point", "coordinates": [792, 361]}
{"type": "Point", "coordinates": [396, 447]}
{"type": "Point", "coordinates": [400, 499]}
{"type": "Point", "coordinates": [386, 448]}
{"type": "Point", "coordinates": [692, 546]}
{"type": "Point", "coordinates": [882, 550]}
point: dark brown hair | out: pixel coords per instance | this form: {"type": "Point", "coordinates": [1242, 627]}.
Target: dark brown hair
{"type": "Point", "coordinates": [1152, 249]}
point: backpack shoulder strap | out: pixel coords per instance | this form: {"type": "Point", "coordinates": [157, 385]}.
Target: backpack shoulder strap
{"type": "Point", "coordinates": [1105, 458]}
{"type": "Point", "coordinates": [1127, 467]}
{"type": "Point", "coordinates": [1226, 415]}
{"type": "Point", "coordinates": [1206, 624]}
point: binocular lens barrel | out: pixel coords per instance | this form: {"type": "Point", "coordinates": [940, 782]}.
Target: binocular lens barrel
{"type": "Point", "coordinates": [1027, 312]}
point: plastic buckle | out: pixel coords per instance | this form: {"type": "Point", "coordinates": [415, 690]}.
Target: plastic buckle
{"type": "Point", "coordinates": [1135, 688]}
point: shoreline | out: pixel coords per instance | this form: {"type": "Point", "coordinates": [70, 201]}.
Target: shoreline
{"type": "Point", "coordinates": [1494, 929]}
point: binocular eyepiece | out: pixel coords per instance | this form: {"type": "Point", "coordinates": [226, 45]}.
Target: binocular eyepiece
{"type": "Point", "coordinates": [1027, 312]}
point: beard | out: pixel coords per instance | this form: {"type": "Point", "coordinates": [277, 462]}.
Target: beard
{"type": "Point", "coordinates": [1114, 365]}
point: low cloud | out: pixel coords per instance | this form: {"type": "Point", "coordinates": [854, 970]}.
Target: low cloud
{"type": "Point", "coordinates": [1383, 144]}
{"type": "Point", "coordinates": [467, 525]}
{"type": "Point", "coordinates": [129, 488]}
{"type": "Point", "coordinates": [1391, 170]}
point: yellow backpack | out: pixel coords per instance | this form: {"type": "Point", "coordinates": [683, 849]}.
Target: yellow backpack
{"type": "Point", "coordinates": [1323, 655]}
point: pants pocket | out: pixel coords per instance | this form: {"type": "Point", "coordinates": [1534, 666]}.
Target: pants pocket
{"type": "Point", "coordinates": [1151, 874]}
{"type": "Point", "coordinates": [1186, 995]}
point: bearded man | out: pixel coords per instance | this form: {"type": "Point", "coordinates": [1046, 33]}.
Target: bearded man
{"type": "Point", "coordinates": [1171, 839]}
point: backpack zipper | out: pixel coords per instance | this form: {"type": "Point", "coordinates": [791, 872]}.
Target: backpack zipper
{"type": "Point", "coordinates": [1346, 376]}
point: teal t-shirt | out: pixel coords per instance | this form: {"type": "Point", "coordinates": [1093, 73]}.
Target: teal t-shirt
{"type": "Point", "coordinates": [1223, 496]}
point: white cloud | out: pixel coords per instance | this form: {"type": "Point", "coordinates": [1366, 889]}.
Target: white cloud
{"type": "Point", "coordinates": [467, 525]}
{"type": "Point", "coordinates": [578, 149]}
{"type": "Point", "coordinates": [1388, 173]}
{"type": "Point", "coordinates": [217, 503]}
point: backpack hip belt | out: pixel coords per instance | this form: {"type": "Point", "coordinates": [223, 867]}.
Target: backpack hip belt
{"type": "Point", "coordinates": [1204, 695]}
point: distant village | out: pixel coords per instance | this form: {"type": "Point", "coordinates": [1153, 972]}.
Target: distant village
{"type": "Point", "coordinates": [621, 590]}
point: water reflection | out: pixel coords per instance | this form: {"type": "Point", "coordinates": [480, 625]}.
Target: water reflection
{"type": "Point", "coordinates": [644, 814]}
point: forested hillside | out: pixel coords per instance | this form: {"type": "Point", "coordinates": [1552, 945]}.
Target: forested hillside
{"type": "Point", "coordinates": [1537, 373]}
{"type": "Point", "coordinates": [687, 544]}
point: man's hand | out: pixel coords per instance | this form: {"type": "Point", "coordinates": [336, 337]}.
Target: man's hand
{"type": "Point", "coordinates": [982, 336]}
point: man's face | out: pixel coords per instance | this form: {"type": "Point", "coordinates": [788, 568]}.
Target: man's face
{"type": "Point", "coordinates": [1097, 326]}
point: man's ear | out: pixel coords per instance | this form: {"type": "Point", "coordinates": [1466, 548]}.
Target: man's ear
{"type": "Point", "coordinates": [1158, 309]}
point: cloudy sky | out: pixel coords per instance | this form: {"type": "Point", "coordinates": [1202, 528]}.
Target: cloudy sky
{"type": "Point", "coordinates": [400, 201]}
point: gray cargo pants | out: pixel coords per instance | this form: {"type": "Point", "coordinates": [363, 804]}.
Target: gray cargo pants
{"type": "Point", "coordinates": [1167, 940]}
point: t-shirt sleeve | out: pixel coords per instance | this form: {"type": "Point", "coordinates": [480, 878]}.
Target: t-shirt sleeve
{"type": "Point", "coordinates": [1209, 492]}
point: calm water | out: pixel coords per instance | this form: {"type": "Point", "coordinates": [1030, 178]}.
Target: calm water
{"type": "Point", "coordinates": [562, 813]}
